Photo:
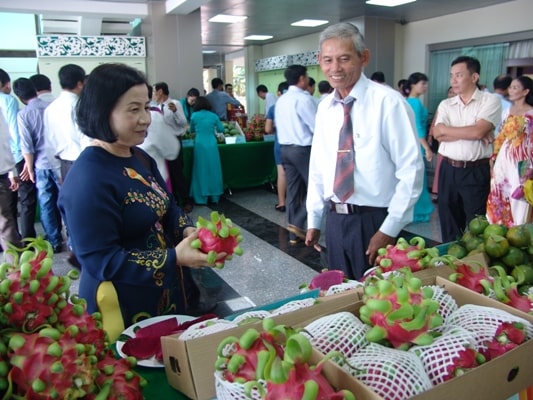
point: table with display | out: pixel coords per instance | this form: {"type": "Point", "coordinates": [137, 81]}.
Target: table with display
{"type": "Point", "coordinates": [244, 165]}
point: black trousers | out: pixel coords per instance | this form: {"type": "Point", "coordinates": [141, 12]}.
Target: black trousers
{"type": "Point", "coordinates": [295, 160]}
{"type": "Point", "coordinates": [27, 198]}
{"type": "Point", "coordinates": [347, 238]}
{"type": "Point", "coordinates": [463, 195]}
{"type": "Point", "coordinates": [180, 185]}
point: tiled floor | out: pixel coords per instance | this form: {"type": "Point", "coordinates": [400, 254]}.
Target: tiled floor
{"type": "Point", "coordinates": [270, 269]}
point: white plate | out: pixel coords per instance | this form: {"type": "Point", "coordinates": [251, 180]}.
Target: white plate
{"type": "Point", "coordinates": [130, 331]}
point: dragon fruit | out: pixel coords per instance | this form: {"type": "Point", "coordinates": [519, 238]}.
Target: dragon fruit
{"type": "Point", "coordinates": [506, 291]}
{"type": "Point", "coordinates": [50, 347]}
{"type": "Point", "coordinates": [508, 336]}
{"type": "Point", "coordinates": [278, 355]}
{"type": "Point", "coordinates": [400, 311]}
{"type": "Point", "coordinates": [412, 254]}
{"type": "Point", "coordinates": [217, 235]}
{"type": "Point", "coordinates": [324, 280]}
{"type": "Point", "coordinates": [473, 277]}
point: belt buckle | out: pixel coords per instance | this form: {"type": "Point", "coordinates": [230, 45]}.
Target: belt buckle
{"type": "Point", "coordinates": [341, 208]}
{"type": "Point", "coordinates": [464, 163]}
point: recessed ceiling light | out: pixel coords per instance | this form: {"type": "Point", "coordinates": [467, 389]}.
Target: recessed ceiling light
{"type": "Point", "coordinates": [258, 37]}
{"type": "Point", "coordinates": [309, 22]}
{"type": "Point", "coordinates": [208, 51]}
{"type": "Point", "coordinates": [228, 19]}
{"type": "Point", "coordinates": [388, 3]}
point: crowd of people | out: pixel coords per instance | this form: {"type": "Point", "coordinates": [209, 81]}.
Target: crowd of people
{"type": "Point", "coordinates": [353, 158]}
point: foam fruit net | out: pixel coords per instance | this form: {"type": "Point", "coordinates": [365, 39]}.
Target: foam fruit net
{"type": "Point", "coordinates": [393, 374]}
{"type": "Point", "coordinates": [342, 332]}
{"type": "Point", "coordinates": [483, 321]}
{"type": "Point", "coordinates": [440, 355]}
{"type": "Point", "coordinates": [234, 391]}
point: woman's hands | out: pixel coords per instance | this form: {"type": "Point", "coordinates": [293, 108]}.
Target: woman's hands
{"type": "Point", "coordinates": [186, 255]}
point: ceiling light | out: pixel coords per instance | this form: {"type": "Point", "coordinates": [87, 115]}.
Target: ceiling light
{"type": "Point", "coordinates": [258, 37]}
{"type": "Point", "coordinates": [228, 19]}
{"type": "Point", "coordinates": [208, 51]}
{"type": "Point", "coordinates": [388, 3]}
{"type": "Point", "coordinates": [309, 22]}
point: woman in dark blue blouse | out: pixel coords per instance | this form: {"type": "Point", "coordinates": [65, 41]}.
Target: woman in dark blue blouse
{"type": "Point", "coordinates": [131, 238]}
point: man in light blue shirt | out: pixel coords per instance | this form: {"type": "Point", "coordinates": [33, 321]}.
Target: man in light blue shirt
{"type": "Point", "coordinates": [38, 169]}
{"type": "Point", "coordinates": [27, 195]}
{"type": "Point", "coordinates": [219, 99]}
{"type": "Point", "coordinates": [295, 124]}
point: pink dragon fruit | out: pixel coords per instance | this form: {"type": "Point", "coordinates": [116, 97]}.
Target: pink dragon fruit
{"type": "Point", "coordinates": [412, 254]}
{"type": "Point", "coordinates": [217, 236]}
{"type": "Point", "coordinates": [324, 280]}
{"type": "Point", "coordinates": [400, 311]}
{"type": "Point", "coordinates": [50, 347]}
{"type": "Point", "coordinates": [508, 336]}
{"type": "Point", "coordinates": [473, 277]}
{"type": "Point", "coordinates": [506, 291]}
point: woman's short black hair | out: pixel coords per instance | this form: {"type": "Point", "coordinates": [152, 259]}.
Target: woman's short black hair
{"type": "Point", "coordinates": [106, 84]}
{"type": "Point", "coordinates": [202, 103]}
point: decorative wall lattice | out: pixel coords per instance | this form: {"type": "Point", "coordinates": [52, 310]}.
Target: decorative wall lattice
{"type": "Point", "coordinates": [282, 62]}
{"type": "Point", "coordinates": [90, 46]}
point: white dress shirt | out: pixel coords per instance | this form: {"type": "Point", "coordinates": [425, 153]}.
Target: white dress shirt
{"type": "Point", "coordinates": [161, 143]}
{"type": "Point", "coordinates": [63, 136]}
{"type": "Point", "coordinates": [177, 119]}
{"type": "Point", "coordinates": [453, 112]}
{"type": "Point", "coordinates": [388, 164]}
{"type": "Point", "coordinates": [295, 117]}
{"type": "Point", "coordinates": [270, 100]}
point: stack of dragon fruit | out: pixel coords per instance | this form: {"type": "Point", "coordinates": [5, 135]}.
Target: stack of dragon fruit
{"type": "Point", "coordinates": [409, 337]}
{"type": "Point", "coordinates": [272, 364]}
{"type": "Point", "coordinates": [50, 347]}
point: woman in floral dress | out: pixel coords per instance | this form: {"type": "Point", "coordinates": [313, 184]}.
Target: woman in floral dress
{"type": "Point", "coordinates": [513, 158]}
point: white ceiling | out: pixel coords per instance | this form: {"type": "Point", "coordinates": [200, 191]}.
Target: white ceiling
{"type": "Point", "coordinates": [265, 17]}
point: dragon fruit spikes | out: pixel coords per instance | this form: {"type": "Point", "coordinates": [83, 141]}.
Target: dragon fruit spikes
{"type": "Point", "coordinates": [217, 235]}
{"type": "Point", "coordinates": [400, 311]}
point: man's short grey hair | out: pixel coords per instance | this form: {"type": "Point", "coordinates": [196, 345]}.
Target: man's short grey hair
{"type": "Point", "coordinates": [345, 31]}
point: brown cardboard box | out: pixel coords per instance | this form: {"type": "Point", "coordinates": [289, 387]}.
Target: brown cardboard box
{"type": "Point", "coordinates": [189, 365]}
{"type": "Point", "coordinates": [495, 380]}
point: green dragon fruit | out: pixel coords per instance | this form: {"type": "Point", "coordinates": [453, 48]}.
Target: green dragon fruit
{"type": "Point", "coordinates": [400, 311]}
{"type": "Point", "coordinates": [217, 235]}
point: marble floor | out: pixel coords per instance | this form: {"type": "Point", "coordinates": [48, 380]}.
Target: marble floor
{"type": "Point", "coordinates": [270, 268]}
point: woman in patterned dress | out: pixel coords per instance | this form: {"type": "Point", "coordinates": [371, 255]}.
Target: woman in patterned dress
{"type": "Point", "coordinates": [513, 158]}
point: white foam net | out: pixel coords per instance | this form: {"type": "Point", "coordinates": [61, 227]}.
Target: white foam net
{"type": "Point", "coordinates": [342, 332]}
{"type": "Point", "coordinates": [447, 303]}
{"type": "Point", "coordinates": [234, 391]}
{"type": "Point", "coordinates": [393, 374]}
{"type": "Point", "coordinates": [343, 287]}
{"type": "Point", "coordinates": [293, 306]}
{"type": "Point", "coordinates": [439, 356]}
{"type": "Point", "coordinates": [483, 321]}
{"type": "Point", "coordinates": [206, 328]}
{"type": "Point", "coordinates": [251, 316]}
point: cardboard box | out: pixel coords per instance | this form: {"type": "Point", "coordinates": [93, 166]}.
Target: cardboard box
{"type": "Point", "coordinates": [496, 379]}
{"type": "Point", "coordinates": [189, 365]}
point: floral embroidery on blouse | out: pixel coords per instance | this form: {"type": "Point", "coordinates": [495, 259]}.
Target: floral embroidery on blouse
{"type": "Point", "coordinates": [515, 129]}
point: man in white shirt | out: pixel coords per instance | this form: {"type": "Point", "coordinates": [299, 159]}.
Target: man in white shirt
{"type": "Point", "coordinates": [465, 130]}
{"type": "Point", "coordinates": [175, 117]}
{"type": "Point", "coordinates": [8, 184]}
{"type": "Point", "coordinates": [64, 140]}
{"type": "Point", "coordinates": [295, 123]}
{"type": "Point", "coordinates": [269, 98]}
{"type": "Point", "coordinates": [388, 172]}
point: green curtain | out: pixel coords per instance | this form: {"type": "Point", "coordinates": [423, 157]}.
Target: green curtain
{"type": "Point", "coordinates": [491, 57]}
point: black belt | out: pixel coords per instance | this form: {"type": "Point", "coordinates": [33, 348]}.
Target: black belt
{"type": "Point", "coordinates": [4, 176]}
{"type": "Point", "coordinates": [466, 164]}
{"type": "Point", "coordinates": [345, 208]}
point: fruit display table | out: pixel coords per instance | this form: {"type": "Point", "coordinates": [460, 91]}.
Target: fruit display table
{"type": "Point", "coordinates": [157, 385]}
{"type": "Point", "coordinates": [244, 165]}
